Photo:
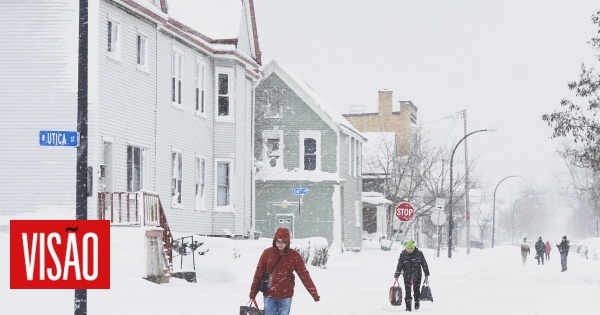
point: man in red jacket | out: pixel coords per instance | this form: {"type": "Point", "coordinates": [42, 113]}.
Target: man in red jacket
{"type": "Point", "coordinates": [282, 261]}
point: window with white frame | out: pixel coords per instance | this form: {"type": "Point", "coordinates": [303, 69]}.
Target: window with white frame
{"type": "Point", "coordinates": [356, 157]}
{"type": "Point", "coordinates": [176, 76]}
{"type": "Point", "coordinates": [142, 52]}
{"type": "Point", "coordinates": [200, 74]}
{"type": "Point", "coordinates": [136, 168]}
{"type": "Point", "coordinates": [351, 156]}
{"type": "Point", "coordinates": [273, 147]}
{"type": "Point", "coordinates": [310, 150]}
{"type": "Point", "coordinates": [200, 183]}
{"type": "Point", "coordinates": [114, 39]}
{"type": "Point", "coordinates": [357, 212]}
{"type": "Point", "coordinates": [223, 183]}
{"type": "Point", "coordinates": [176, 177]}
{"type": "Point", "coordinates": [224, 93]}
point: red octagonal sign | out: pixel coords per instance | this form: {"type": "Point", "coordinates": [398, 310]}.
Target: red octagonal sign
{"type": "Point", "coordinates": [405, 211]}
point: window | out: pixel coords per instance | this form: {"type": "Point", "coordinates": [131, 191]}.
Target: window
{"type": "Point", "coordinates": [200, 183]}
{"type": "Point", "coordinates": [224, 93]}
{"type": "Point", "coordinates": [223, 184]}
{"type": "Point", "coordinates": [176, 76]}
{"type": "Point", "coordinates": [350, 155]}
{"type": "Point", "coordinates": [142, 52]}
{"type": "Point", "coordinates": [357, 159]}
{"type": "Point", "coordinates": [176, 177]}
{"type": "Point", "coordinates": [358, 155]}
{"type": "Point", "coordinates": [136, 168]}
{"type": "Point", "coordinates": [357, 213]}
{"type": "Point", "coordinates": [114, 39]}
{"type": "Point", "coordinates": [199, 97]}
{"type": "Point", "coordinates": [274, 97]}
{"type": "Point", "coordinates": [273, 147]}
{"type": "Point", "coordinates": [310, 150]}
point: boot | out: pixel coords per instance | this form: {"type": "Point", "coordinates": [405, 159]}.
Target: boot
{"type": "Point", "coordinates": [417, 305]}
{"type": "Point", "coordinates": [408, 305]}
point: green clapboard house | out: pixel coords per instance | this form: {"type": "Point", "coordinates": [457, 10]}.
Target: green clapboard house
{"type": "Point", "coordinates": [308, 163]}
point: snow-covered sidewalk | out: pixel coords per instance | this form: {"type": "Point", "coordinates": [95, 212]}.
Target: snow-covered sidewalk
{"type": "Point", "coordinates": [490, 281]}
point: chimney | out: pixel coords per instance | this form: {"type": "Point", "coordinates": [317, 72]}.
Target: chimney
{"type": "Point", "coordinates": [409, 109]}
{"type": "Point", "coordinates": [385, 103]}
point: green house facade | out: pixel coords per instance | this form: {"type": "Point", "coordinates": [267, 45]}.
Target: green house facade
{"type": "Point", "coordinates": [308, 163]}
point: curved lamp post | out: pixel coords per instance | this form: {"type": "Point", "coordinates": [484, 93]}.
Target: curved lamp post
{"type": "Point", "coordinates": [513, 218]}
{"type": "Point", "coordinates": [494, 212]}
{"type": "Point", "coordinates": [450, 217]}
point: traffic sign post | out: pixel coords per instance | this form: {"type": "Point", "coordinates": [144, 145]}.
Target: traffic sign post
{"type": "Point", "coordinates": [438, 217]}
{"type": "Point", "coordinates": [405, 211]}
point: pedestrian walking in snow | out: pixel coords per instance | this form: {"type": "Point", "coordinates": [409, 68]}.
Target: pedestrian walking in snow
{"type": "Point", "coordinates": [563, 250]}
{"type": "Point", "coordinates": [410, 263]}
{"type": "Point", "coordinates": [525, 250]}
{"type": "Point", "coordinates": [540, 250]}
{"type": "Point", "coordinates": [281, 261]}
{"type": "Point", "coordinates": [548, 249]}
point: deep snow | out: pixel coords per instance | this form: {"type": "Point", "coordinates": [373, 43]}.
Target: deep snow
{"type": "Point", "coordinates": [490, 281]}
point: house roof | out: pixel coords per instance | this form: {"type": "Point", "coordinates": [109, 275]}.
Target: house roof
{"type": "Point", "coordinates": [325, 110]}
{"type": "Point", "coordinates": [211, 25]}
{"type": "Point", "coordinates": [374, 198]}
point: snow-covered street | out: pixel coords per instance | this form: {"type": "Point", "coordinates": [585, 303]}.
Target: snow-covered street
{"type": "Point", "coordinates": [489, 281]}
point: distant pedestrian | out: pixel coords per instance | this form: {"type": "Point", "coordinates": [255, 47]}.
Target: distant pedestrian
{"type": "Point", "coordinates": [410, 262]}
{"type": "Point", "coordinates": [563, 249]}
{"type": "Point", "coordinates": [540, 250]}
{"type": "Point", "coordinates": [548, 249]}
{"type": "Point", "coordinates": [525, 250]}
{"type": "Point", "coordinates": [282, 261]}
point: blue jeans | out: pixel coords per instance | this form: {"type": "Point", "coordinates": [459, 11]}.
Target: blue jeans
{"type": "Point", "coordinates": [563, 262]}
{"type": "Point", "coordinates": [275, 306]}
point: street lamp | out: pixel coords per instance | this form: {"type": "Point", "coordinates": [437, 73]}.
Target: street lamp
{"type": "Point", "coordinates": [450, 217]}
{"type": "Point", "coordinates": [513, 218]}
{"type": "Point", "coordinates": [494, 212]}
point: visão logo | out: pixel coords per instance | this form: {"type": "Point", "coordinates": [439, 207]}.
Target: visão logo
{"type": "Point", "coordinates": [60, 254]}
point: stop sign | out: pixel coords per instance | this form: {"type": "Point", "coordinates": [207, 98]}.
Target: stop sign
{"type": "Point", "coordinates": [405, 211]}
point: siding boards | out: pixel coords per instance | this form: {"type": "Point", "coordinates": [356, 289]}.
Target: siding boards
{"type": "Point", "coordinates": [38, 90]}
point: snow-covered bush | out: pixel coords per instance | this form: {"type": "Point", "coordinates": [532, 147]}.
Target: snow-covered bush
{"type": "Point", "coordinates": [314, 250]}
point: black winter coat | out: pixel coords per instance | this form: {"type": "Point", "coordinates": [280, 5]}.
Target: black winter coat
{"type": "Point", "coordinates": [540, 247]}
{"type": "Point", "coordinates": [411, 264]}
{"type": "Point", "coordinates": [563, 248]}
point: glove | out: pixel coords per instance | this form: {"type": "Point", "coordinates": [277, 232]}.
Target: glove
{"type": "Point", "coordinates": [317, 298]}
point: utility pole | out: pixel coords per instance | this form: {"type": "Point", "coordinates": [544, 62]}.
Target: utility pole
{"type": "Point", "coordinates": [82, 128]}
{"type": "Point", "coordinates": [467, 213]}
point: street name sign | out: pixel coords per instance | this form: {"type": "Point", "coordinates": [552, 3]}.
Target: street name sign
{"type": "Point", "coordinates": [58, 138]}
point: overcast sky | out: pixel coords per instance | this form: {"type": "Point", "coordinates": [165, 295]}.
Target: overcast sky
{"type": "Point", "coordinates": [505, 62]}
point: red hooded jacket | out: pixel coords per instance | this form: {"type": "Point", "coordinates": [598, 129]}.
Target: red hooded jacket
{"type": "Point", "coordinates": [282, 279]}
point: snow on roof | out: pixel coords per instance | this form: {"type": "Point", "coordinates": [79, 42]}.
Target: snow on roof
{"type": "Point", "coordinates": [217, 19]}
{"type": "Point", "coordinates": [152, 5]}
{"type": "Point", "coordinates": [317, 100]}
{"type": "Point", "coordinates": [374, 198]}
{"type": "Point", "coordinates": [274, 173]}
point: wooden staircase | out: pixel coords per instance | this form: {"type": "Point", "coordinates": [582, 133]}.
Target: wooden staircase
{"type": "Point", "coordinates": [137, 209]}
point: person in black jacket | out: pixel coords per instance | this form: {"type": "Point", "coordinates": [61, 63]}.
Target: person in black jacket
{"type": "Point", "coordinates": [563, 249]}
{"type": "Point", "coordinates": [410, 262]}
{"type": "Point", "coordinates": [540, 249]}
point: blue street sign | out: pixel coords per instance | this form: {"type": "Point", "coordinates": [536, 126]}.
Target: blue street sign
{"type": "Point", "coordinates": [56, 138]}
{"type": "Point", "coordinates": [299, 191]}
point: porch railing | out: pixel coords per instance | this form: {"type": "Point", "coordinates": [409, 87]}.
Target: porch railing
{"type": "Point", "coordinates": [141, 208]}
